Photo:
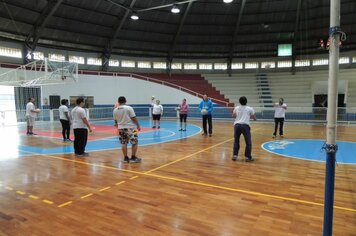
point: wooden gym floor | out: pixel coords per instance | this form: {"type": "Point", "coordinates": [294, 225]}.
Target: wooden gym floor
{"type": "Point", "coordinates": [184, 187]}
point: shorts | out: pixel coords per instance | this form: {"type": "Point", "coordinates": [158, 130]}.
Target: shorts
{"type": "Point", "coordinates": [183, 117]}
{"type": "Point", "coordinates": [128, 135]}
{"type": "Point", "coordinates": [156, 117]}
{"type": "Point", "coordinates": [30, 120]}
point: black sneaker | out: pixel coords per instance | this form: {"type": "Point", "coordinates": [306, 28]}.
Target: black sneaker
{"type": "Point", "coordinates": [159, 127]}
{"type": "Point", "coordinates": [180, 130]}
{"type": "Point", "coordinates": [126, 159]}
{"type": "Point", "coordinates": [153, 127]}
{"type": "Point", "coordinates": [234, 158]}
{"type": "Point", "coordinates": [184, 130]}
{"type": "Point", "coordinates": [249, 159]}
{"type": "Point", "coordinates": [135, 159]}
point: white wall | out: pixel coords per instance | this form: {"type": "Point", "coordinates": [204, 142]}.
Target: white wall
{"type": "Point", "coordinates": [106, 90]}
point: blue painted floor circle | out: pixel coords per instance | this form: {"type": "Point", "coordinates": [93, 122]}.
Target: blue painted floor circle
{"type": "Point", "coordinates": [311, 150]}
{"type": "Point", "coordinates": [169, 131]}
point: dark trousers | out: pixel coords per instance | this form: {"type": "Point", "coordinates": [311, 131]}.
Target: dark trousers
{"type": "Point", "coordinates": [207, 119]}
{"type": "Point", "coordinates": [80, 140]}
{"type": "Point", "coordinates": [65, 128]}
{"type": "Point", "coordinates": [245, 131]}
{"type": "Point", "coordinates": [279, 121]}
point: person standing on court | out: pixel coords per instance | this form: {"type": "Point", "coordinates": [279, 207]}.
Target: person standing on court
{"type": "Point", "coordinates": [65, 120]}
{"type": "Point", "coordinates": [206, 109]}
{"type": "Point", "coordinates": [80, 128]}
{"type": "Point", "coordinates": [31, 114]}
{"type": "Point", "coordinates": [157, 112]}
{"type": "Point", "coordinates": [183, 114]}
{"type": "Point", "coordinates": [279, 115]}
{"type": "Point", "coordinates": [126, 123]}
{"type": "Point", "coordinates": [242, 115]}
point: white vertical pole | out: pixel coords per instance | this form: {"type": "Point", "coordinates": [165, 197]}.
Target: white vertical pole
{"type": "Point", "coordinates": [331, 147]}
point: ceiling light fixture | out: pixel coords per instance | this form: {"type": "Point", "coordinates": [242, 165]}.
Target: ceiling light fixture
{"type": "Point", "coordinates": [134, 16]}
{"type": "Point", "coordinates": [228, 1]}
{"type": "Point", "coordinates": [175, 9]}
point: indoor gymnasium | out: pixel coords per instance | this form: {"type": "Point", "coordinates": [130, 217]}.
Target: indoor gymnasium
{"type": "Point", "coordinates": [178, 117]}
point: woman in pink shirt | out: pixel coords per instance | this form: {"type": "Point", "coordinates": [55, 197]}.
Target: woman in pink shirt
{"type": "Point", "coordinates": [183, 113]}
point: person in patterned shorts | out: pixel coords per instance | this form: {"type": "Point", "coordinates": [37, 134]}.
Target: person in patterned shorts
{"type": "Point", "coordinates": [127, 121]}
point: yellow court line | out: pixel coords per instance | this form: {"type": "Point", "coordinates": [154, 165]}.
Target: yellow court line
{"type": "Point", "coordinates": [147, 173]}
{"type": "Point", "coordinates": [65, 204]}
{"type": "Point", "coordinates": [88, 195]}
{"type": "Point", "coordinates": [120, 182]}
{"type": "Point", "coordinates": [47, 201]}
{"type": "Point", "coordinates": [247, 192]}
{"type": "Point", "coordinates": [190, 155]}
{"type": "Point", "coordinates": [9, 188]}
{"type": "Point", "coordinates": [33, 197]}
{"type": "Point", "coordinates": [134, 177]}
{"type": "Point", "coordinates": [20, 192]}
{"type": "Point", "coordinates": [103, 189]}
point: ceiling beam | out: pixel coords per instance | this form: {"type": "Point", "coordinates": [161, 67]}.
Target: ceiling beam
{"type": "Point", "coordinates": [234, 36]}
{"type": "Point", "coordinates": [174, 42]}
{"type": "Point", "coordinates": [117, 28]}
{"type": "Point", "coordinates": [41, 22]}
{"type": "Point", "coordinates": [296, 28]}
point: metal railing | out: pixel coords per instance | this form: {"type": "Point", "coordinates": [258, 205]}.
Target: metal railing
{"type": "Point", "coordinates": [295, 114]}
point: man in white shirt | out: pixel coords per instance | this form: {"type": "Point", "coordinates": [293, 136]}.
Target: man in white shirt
{"type": "Point", "coordinates": [65, 120]}
{"type": "Point", "coordinates": [279, 115]}
{"type": "Point", "coordinates": [157, 112]}
{"type": "Point", "coordinates": [126, 122]}
{"type": "Point", "coordinates": [31, 114]}
{"type": "Point", "coordinates": [80, 128]}
{"type": "Point", "coordinates": [242, 115]}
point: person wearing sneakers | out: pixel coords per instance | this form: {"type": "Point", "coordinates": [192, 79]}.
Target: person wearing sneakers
{"type": "Point", "coordinates": [279, 115]}
{"type": "Point", "coordinates": [65, 120]}
{"type": "Point", "coordinates": [126, 121]}
{"type": "Point", "coordinates": [206, 108]}
{"type": "Point", "coordinates": [157, 112]}
{"type": "Point", "coordinates": [242, 115]}
{"type": "Point", "coordinates": [183, 113]}
{"type": "Point", "coordinates": [31, 114]}
{"type": "Point", "coordinates": [80, 128]}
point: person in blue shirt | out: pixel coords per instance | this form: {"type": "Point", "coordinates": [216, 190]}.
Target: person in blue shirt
{"type": "Point", "coordinates": [206, 108]}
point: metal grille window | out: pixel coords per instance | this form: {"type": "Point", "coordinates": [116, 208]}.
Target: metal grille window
{"type": "Point", "coordinates": [144, 64]}
{"type": "Point", "coordinates": [237, 65]}
{"type": "Point", "coordinates": [176, 66]}
{"type": "Point", "coordinates": [77, 59]}
{"type": "Point", "coordinates": [94, 61]}
{"type": "Point", "coordinates": [128, 63]}
{"type": "Point", "coordinates": [284, 64]}
{"type": "Point", "coordinates": [251, 65]}
{"type": "Point", "coordinates": [320, 62]}
{"type": "Point", "coordinates": [10, 52]}
{"type": "Point", "coordinates": [159, 65]}
{"type": "Point", "coordinates": [205, 66]}
{"type": "Point", "coordinates": [220, 66]}
{"type": "Point", "coordinates": [190, 66]}
{"type": "Point", "coordinates": [302, 63]}
{"type": "Point", "coordinates": [268, 64]}
{"type": "Point", "coordinates": [344, 60]}
{"type": "Point", "coordinates": [114, 62]}
{"type": "Point", "coordinates": [56, 57]}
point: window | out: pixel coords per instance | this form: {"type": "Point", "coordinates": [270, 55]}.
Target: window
{"type": "Point", "coordinates": [10, 52]}
{"type": "Point", "coordinates": [205, 66]}
{"type": "Point", "coordinates": [38, 56]}
{"type": "Point", "coordinates": [77, 59]}
{"type": "Point", "coordinates": [353, 59]}
{"type": "Point", "coordinates": [344, 60]}
{"type": "Point", "coordinates": [159, 65]}
{"type": "Point", "coordinates": [144, 64]}
{"type": "Point", "coordinates": [251, 65]}
{"type": "Point", "coordinates": [128, 63]}
{"type": "Point", "coordinates": [268, 64]}
{"type": "Point", "coordinates": [320, 62]}
{"type": "Point", "coordinates": [56, 57]}
{"type": "Point", "coordinates": [284, 64]}
{"type": "Point", "coordinates": [94, 61]}
{"type": "Point", "coordinates": [284, 50]}
{"type": "Point", "coordinates": [190, 66]}
{"type": "Point", "coordinates": [220, 66]}
{"type": "Point", "coordinates": [302, 63]}
{"type": "Point", "coordinates": [114, 62]}
{"type": "Point", "coordinates": [238, 65]}
{"type": "Point", "coordinates": [176, 66]}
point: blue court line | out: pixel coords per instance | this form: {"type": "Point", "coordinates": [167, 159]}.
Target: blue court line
{"type": "Point", "coordinates": [167, 133]}
{"type": "Point", "coordinates": [311, 150]}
